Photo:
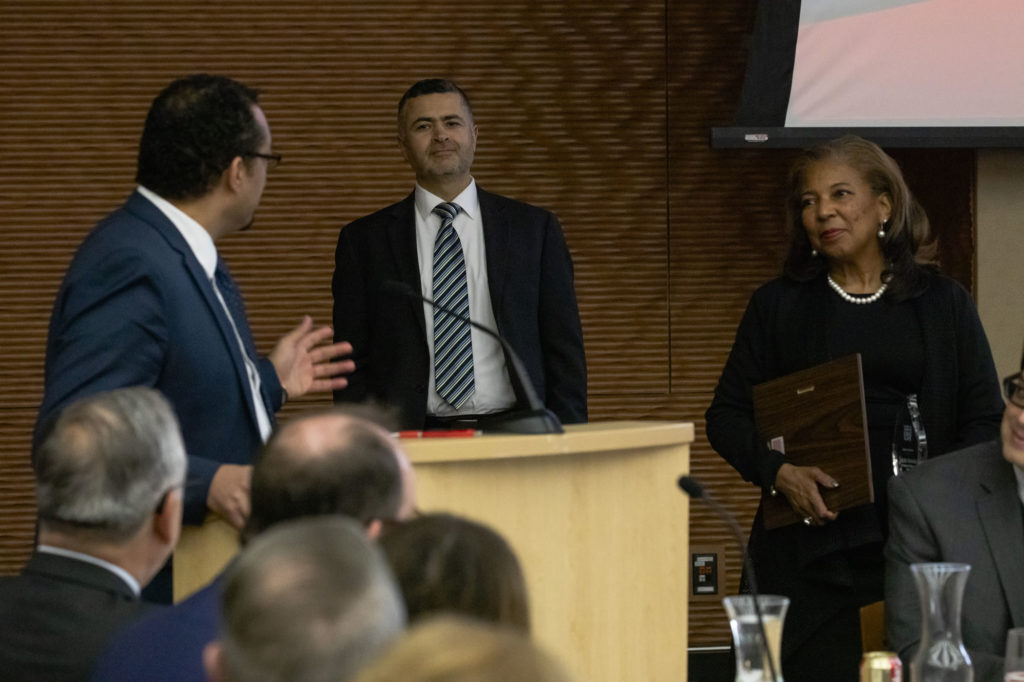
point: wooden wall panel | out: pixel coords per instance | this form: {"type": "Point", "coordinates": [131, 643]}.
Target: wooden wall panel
{"type": "Point", "coordinates": [597, 110]}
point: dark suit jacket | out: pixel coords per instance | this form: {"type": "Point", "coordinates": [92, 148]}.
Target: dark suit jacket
{"type": "Point", "coordinates": [784, 329]}
{"type": "Point", "coordinates": [57, 615]}
{"type": "Point", "coordinates": [136, 308]}
{"type": "Point", "coordinates": [960, 508]}
{"type": "Point", "coordinates": [166, 645]}
{"type": "Point", "coordinates": [530, 274]}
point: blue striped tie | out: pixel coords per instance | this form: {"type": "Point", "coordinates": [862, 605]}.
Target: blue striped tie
{"type": "Point", "coordinates": [453, 344]}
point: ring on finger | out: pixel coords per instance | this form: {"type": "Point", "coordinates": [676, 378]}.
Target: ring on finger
{"type": "Point", "coordinates": [808, 520]}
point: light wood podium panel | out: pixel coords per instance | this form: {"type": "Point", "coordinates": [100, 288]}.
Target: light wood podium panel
{"type": "Point", "coordinates": [595, 517]}
{"type": "Point", "coordinates": [600, 527]}
{"type": "Point", "coordinates": [202, 552]}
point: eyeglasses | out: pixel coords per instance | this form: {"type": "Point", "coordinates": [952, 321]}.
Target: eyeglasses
{"type": "Point", "coordinates": [272, 159]}
{"type": "Point", "coordinates": [1013, 385]}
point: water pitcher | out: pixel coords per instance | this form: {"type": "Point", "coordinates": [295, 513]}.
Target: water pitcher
{"type": "Point", "coordinates": [941, 656]}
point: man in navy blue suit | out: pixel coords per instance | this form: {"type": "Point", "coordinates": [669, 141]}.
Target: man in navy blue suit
{"type": "Point", "coordinates": [147, 301]}
{"type": "Point", "coordinates": [518, 279]}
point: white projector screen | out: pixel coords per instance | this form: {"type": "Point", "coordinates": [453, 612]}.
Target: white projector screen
{"type": "Point", "coordinates": [908, 63]}
{"type": "Point", "coordinates": [905, 73]}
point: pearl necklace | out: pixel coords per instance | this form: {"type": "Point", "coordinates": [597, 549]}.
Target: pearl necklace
{"type": "Point", "coordinates": [850, 298]}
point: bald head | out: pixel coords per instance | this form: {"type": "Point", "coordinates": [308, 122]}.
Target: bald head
{"type": "Point", "coordinates": [330, 462]}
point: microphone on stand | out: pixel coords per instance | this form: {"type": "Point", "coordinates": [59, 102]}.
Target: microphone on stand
{"type": "Point", "coordinates": [695, 490]}
{"type": "Point", "coordinates": [535, 418]}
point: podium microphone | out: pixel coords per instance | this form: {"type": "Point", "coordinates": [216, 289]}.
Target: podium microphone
{"type": "Point", "coordinates": [695, 490]}
{"type": "Point", "coordinates": [535, 418]}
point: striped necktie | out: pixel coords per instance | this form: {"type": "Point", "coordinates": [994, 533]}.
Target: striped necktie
{"type": "Point", "coordinates": [453, 344]}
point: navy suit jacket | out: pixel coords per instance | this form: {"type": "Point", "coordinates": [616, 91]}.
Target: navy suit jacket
{"type": "Point", "coordinates": [530, 275]}
{"type": "Point", "coordinates": [963, 508]}
{"type": "Point", "coordinates": [136, 308]}
{"type": "Point", "coordinates": [166, 645]}
{"type": "Point", "coordinates": [57, 616]}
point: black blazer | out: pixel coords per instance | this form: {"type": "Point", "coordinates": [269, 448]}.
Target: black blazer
{"type": "Point", "coordinates": [530, 274]}
{"type": "Point", "coordinates": [784, 330]}
{"type": "Point", "coordinates": [57, 616]}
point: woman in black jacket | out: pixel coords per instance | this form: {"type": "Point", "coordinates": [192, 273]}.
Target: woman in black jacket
{"type": "Point", "coordinates": [851, 284]}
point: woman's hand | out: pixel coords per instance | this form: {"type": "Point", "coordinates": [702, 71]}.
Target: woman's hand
{"type": "Point", "coordinates": [800, 486]}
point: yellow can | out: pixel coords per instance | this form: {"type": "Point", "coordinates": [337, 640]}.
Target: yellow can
{"type": "Point", "coordinates": [881, 666]}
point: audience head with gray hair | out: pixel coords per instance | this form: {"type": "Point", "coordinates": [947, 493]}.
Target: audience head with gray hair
{"type": "Point", "coordinates": [110, 469]}
{"type": "Point", "coordinates": [105, 465]}
{"type": "Point", "coordinates": [309, 600]}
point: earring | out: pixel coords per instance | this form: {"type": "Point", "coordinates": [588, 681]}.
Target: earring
{"type": "Point", "coordinates": [881, 230]}
{"type": "Point", "coordinates": [814, 253]}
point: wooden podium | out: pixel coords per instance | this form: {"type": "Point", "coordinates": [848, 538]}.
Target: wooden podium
{"type": "Point", "coordinates": [596, 519]}
{"type": "Point", "coordinates": [600, 527]}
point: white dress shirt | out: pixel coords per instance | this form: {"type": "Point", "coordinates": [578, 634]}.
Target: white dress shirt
{"type": "Point", "coordinates": [493, 390]}
{"type": "Point", "coordinates": [124, 575]}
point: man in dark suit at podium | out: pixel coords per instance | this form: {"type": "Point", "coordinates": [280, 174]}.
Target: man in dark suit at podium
{"type": "Point", "coordinates": [965, 507]}
{"type": "Point", "coordinates": [500, 262]}
{"type": "Point", "coordinates": [109, 475]}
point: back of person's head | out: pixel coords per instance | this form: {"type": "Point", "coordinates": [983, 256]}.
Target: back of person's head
{"type": "Point", "coordinates": [457, 649]}
{"type": "Point", "coordinates": [309, 600]}
{"type": "Point", "coordinates": [195, 128]}
{"type": "Point", "coordinates": [447, 563]}
{"type": "Point", "coordinates": [333, 461]}
{"type": "Point", "coordinates": [906, 231]}
{"type": "Point", "coordinates": [106, 462]}
{"type": "Point", "coordinates": [430, 86]}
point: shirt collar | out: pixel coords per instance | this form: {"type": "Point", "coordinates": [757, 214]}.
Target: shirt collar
{"type": "Point", "coordinates": [467, 201]}
{"type": "Point", "coordinates": [198, 239]}
{"type": "Point", "coordinates": [124, 575]}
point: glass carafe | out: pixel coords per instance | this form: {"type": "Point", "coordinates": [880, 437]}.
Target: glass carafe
{"type": "Point", "coordinates": [751, 663]}
{"type": "Point", "coordinates": [941, 656]}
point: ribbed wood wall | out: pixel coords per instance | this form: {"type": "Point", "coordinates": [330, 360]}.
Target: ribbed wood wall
{"type": "Point", "coordinates": [597, 110]}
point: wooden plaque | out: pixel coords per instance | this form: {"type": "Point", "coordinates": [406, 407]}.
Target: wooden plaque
{"type": "Point", "coordinates": [816, 417]}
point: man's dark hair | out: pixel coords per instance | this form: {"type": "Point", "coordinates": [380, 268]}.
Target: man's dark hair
{"type": "Point", "coordinates": [357, 475]}
{"type": "Point", "coordinates": [431, 86]}
{"type": "Point", "coordinates": [194, 130]}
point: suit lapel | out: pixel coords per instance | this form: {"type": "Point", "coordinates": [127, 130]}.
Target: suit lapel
{"type": "Point", "coordinates": [1001, 520]}
{"type": "Point", "coordinates": [400, 232]}
{"type": "Point", "coordinates": [145, 210]}
{"type": "Point", "coordinates": [497, 237]}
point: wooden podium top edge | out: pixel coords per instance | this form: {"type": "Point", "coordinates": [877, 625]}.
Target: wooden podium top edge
{"type": "Point", "coordinates": [578, 438]}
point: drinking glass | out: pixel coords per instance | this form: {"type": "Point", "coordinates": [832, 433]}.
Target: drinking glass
{"type": "Point", "coordinates": [751, 663]}
{"type": "Point", "coordinates": [1013, 663]}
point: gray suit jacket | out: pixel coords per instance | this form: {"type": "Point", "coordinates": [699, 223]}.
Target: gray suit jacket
{"type": "Point", "coordinates": [962, 507]}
